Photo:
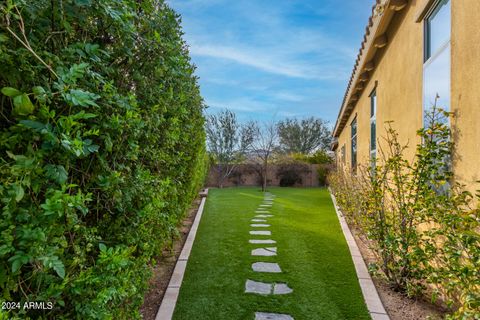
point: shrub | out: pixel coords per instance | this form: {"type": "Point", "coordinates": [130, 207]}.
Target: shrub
{"type": "Point", "coordinates": [101, 151]}
{"type": "Point", "coordinates": [291, 173]}
{"type": "Point", "coordinates": [424, 227]}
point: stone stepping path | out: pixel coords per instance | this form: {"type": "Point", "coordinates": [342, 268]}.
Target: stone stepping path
{"type": "Point", "coordinates": [272, 316]}
{"type": "Point", "coordinates": [261, 233]}
{"type": "Point", "coordinates": [259, 225]}
{"type": "Point", "coordinates": [265, 252]}
{"type": "Point", "coordinates": [266, 267]}
{"type": "Point", "coordinates": [262, 241]}
{"type": "Point", "coordinates": [263, 288]}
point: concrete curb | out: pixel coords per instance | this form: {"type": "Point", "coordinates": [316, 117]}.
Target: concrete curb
{"type": "Point", "coordinates": [165, 312]}
{"type": "Point", "coordinates": [370, 294]}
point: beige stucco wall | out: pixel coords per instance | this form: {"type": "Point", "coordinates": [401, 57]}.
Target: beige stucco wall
{"type": "Point", "coordinates": [398, 75]}
{"type": "Point", "coordinates": [466, 90]}
{"type": "Point", "coordinates": [399, 78]}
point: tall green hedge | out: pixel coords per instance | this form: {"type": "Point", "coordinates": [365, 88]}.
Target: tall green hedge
{"type": "Point", "coordinates": [101, 151]}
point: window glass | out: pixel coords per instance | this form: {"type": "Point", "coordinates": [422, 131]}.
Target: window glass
{"type": "Point", "coordinates": [373, 121]}
{"type": "Point", "coordinates": [354, 143]}
{"type": "Point", "coordinates": [438, 28]}
{"type": "Point", "coordinates": [373, 135]}
{"type": "Point", "coordinates": [436, 78]}
{"type": "Point", "coordinates": [373, 104]}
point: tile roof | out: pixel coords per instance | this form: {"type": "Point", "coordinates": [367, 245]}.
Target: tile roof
{"type": "Point", "coordinates": [374, 39]}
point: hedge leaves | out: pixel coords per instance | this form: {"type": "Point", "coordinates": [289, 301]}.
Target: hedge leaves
{"type": "Point", "coordinates": [101, 151]}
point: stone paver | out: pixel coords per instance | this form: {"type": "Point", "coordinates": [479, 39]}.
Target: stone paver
{"type": "Point", "coordinates": [263, 288]}
{"type": "Point", "coordinates": [258, 287]}
{"type": "Point", "coordinates": [281, 288]}
{"type": "Point", "coordinates": [262, 241]}
{"type": "Point", "coordinates": [259, 225]}
{"type": "Point", "coordinates": [261, 232]}
{"type": "Point", "coordinates": [265, 252]}
{"type": "Point", "coordinates": [266, 267]}
{"type": "Point", "coordinates": [266, 288]}
{"type": "Point", "coordinates": [272, 316]}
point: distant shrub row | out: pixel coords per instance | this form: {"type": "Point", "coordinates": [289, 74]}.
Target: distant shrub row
{"type": "Point", "coordinates": [101, 151]}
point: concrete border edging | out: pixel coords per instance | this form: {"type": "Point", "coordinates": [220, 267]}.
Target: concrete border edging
{"type": "Point", "coordinates": [169, 301]}
{"type": "Point", "coordinates": [370, 295]}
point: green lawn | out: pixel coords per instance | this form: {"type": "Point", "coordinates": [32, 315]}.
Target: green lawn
{"type": "Point", "coordinates": [312, 253]}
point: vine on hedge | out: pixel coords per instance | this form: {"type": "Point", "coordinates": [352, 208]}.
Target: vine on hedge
{"type": "Point", "coordinates": [102, 149]}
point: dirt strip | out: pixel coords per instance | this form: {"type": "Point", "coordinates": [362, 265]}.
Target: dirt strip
{"type": "Point", "coordinates": [165, 264]}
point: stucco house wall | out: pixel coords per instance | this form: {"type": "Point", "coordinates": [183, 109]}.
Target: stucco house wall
{"type": "Point", "coordinates": [397, 76]}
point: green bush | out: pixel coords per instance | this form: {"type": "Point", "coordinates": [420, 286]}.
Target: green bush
{"type": "Point", "coordinates": [291, 173]}
{"type": "Point", "coordinates": [424, 228]}
{"type": "Point", "coordinates": [102, 150]}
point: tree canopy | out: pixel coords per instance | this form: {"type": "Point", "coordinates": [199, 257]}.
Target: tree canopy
{"type": "Point", "coordinates": [304, 135]}
{"type": "Point", "coordinates": [228, 141]}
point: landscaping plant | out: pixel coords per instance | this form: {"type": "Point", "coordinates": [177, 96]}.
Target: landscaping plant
{"type": "Point", "coordinates": [423, 225]}
{"type": "Point", "coordinates": [101, 152]}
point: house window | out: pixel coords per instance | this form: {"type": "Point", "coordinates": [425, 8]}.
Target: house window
{"type": "Point", "coordinates": [353, 127]}
{"type": "Point", "coordinates": [373, 126]}
{"type": "Point", "coordinates": [436, 71]}
{"type": "Point", "coordinates": [436, 68]}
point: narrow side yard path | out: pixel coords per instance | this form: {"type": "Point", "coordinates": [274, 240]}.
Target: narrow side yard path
{"type": "Point", "coordinates": [292, 264]}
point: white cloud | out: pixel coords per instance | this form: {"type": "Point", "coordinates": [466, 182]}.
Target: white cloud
{"type": "Point", "coordinates": [266, 60]}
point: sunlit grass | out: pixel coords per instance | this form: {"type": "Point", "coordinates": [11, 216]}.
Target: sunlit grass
{"type": "Point", "coordinates": [312, 253]}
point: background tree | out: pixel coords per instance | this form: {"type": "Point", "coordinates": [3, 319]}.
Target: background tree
{"type": "Point", "coordinates": [227, 142]}
{"type": "Point", "coordinates": [263, 148]}
{"type": "Point", "coordinates": [303, 136]}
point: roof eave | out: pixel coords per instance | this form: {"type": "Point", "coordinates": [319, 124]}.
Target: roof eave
{"type": "Point", "coordinates": [375, 39]}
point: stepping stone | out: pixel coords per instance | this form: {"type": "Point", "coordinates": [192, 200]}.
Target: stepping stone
{"type": "Point", "coordinates": [262, 211]}
{"type": "Point", "coordinates": [259, 220]}
{"type": "Point", "coordinates": [261, 233]}
{"type": "Point", "coordinates": [272, 316]}
{"type": "Point", "coordinates": [258, 287]}
{"type": "Point", "coordinates": [281, 288]}
{"type": "Point", "coordinates": [266, 267]}
{"type": "Point", "coordinates": [262, 241]}
{"type": "Point", "coordinates": [265, 205]}
{"type": "Point", "coordinates": [263, 216]}
{"type": "Point", "coordinates": [266, 288]}
{"type": "Point", "coordinates": [259, 225]}
{"type": "Point", "coordinates": [265, 252]}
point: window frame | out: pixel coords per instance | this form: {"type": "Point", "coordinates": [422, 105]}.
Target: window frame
{"type": "Point", "coordinates": [354, 155]}
{"type": "Point", "coordinates": [427, 54]}
{"type": "Point", "coordinates": [373, 119]}
{"type": "Point", "coordinates": [428, 60]}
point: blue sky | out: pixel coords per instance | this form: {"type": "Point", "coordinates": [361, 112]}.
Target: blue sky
{"type": "Point", "coordinates": [268, 59]}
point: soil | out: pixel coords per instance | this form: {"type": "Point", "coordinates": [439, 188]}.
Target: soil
{"type": "Point", "coordinates": [163, 269]}
{"type": "Point", "coordinates": [398, 305]}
